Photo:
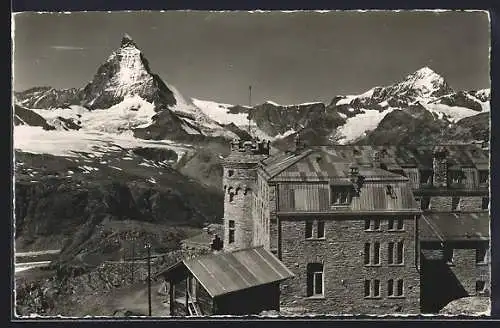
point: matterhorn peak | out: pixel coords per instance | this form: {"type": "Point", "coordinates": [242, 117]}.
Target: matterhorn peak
{"type": "Point", "coordinates": [127, 41]}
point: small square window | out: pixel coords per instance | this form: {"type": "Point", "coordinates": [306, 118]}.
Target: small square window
{"type": "Point", "coordinates": [483, 176]}
{"type": "Point", "coordinates": [481, 255]}
{"type": "Point", "coordinates": [230, 173]}
{"type": "Point", "coordinates": [480, 286]}
{"type": "Point", "coordinates": [485, 203]}
{"type": "Point", "coordinates": [372, 224]}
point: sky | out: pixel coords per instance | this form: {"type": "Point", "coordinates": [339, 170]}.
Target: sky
{"type": "Point", "coordinates": [289, 58]}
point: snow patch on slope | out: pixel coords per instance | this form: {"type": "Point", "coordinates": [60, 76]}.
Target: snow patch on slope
{"type": "Point", "coordinates": [357, 126]}
{"type": "Point", "coordinates": [220, 112]}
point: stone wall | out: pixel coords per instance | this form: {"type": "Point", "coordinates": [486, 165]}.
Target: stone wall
{"type": "Point", "coordinates": [341, 253]}
{"type": "Point", "coordinates": [465, 203]}
{"type": "Point", "coordinates": [443, 282]}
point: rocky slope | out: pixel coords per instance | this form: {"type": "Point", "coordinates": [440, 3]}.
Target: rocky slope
{"type": "Point", "coordinates": [61, 202]}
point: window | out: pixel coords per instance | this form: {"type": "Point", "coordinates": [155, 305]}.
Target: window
{"type": "Point", "coordinates": [230, 173]}
{"type": "Point", "coordinates": [372, 288]}
{"type": "Point", "coordinates": [395, 253]}
{"type": "Point", "coordinates": [309, 229]}
{"type": "Point", "coordinates": [389, 190]}
{"type": "Point", "coordinates": [372, 224]}
{"type": "Point", "coordinates": [318, 233]}
{"type": "Point", "coordinates": [396, 224]}
{"type": "Point", "coordinates": [315, 283]}
{"type": "Point", "coordinates": [321, 229]}
{"type": "Point", "coordinates": [367, 253]}
{"type": "Point", "coordinates": [231, 231]}
{"type": "Point", "coordinates": [456, 176]}
{"type": "Point", "coordinates": [400, 253]}
{"type": "Point", "coordinates": [372, 253]}
{"type": "Point", "coordinates": [426, 201]}
{"type": "Point", "coordinates": [340, 195]}
{"type": "Point", "coordinates": [426, 177]}
{"type": "Point", "coordinates": [448, 255]}
{"type": "Point", "coordinates": [485, 203]}
{"type": "Point", "coordinates": [455, 201]}
{"type": "Point", "coordinates": [480, 286]}
{"type": "Point", "coordinates": [481, 254]}
{"type": "Point", "coordinates": [483, 176]}
{"type": "Point", "coordinates": [395, 288]}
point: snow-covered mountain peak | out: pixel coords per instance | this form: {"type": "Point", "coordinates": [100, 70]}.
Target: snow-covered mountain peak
{"type": "Point", "coordinates": [127, 41]}
{"type": "Point", "coordinates": [423, 83]}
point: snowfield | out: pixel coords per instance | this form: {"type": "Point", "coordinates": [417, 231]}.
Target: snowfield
{"type": "Point", "coordinates": [453, 113]}
{"type": "Point", "coordinates": [35, 140]}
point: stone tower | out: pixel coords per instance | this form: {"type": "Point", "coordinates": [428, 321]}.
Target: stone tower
{"type": "Point", "coordinates": [239, 177]}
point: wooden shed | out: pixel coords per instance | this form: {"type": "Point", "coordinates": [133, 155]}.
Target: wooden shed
{"type": "Point", "coordinates": [227, 283]}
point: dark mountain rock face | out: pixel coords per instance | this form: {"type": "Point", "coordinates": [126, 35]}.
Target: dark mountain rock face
{"type": "Point", "coordinates": [48, 97]}
{"type": "Point", "coordinates": [461, 99]}
{"type": "Point", "coordinates": [475, 127]}
{"type": "Point", "coordinates": [406, 127]}
{"type": "Point", "coordinates": [25, 116]}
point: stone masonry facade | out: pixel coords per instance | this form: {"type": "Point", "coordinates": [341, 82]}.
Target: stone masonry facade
{"type": "Point", "coordinates": [341, 252]}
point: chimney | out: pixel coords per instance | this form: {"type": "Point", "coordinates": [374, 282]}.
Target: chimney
{"type": "Point", "coordinates": [299, 145]}
{"type": "Point", "coordinates": [354, 173]}
{"type": "Point", "coordinates": [440, 166]}
{"type": "Point", "coordinates": [356, 179]}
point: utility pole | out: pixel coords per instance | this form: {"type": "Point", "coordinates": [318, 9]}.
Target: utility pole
{"type": "Point", "coordinates": [148, 247]}
{"type": "Point", "coordinates": [249, 105]}
{"type": "Point", "coordinates": [133, 259]}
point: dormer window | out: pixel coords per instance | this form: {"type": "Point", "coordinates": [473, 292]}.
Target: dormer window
{"type": "Point", "coordinates": [456, 177]}
{"type": "Point", "coordinates": [340, 195]}
{"type": "Point", "coordinates": [483, 176]}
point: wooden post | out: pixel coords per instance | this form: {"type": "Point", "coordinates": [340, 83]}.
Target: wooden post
{"type": "Point", "coordinates": [171, 297]}
{"type": "Point", "coordinates": [187, 295]}
{"type": "Point", "coordinates": [149, 278]}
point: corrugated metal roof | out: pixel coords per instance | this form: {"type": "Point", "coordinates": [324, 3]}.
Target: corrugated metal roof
{"type": "Point", "coordinates": [454, 226]}
{"type": "Point", "coordinates": [393, 157]}
{"type": "Point", "coordinates": [320, 164]}
{"type": "Point", "coordinates": [224, 273]}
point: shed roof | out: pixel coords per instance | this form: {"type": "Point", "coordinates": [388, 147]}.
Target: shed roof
{"type": "Point", "coordinates": [455, 226]}
{"type": "Point", "coordinates": [224, 273]}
